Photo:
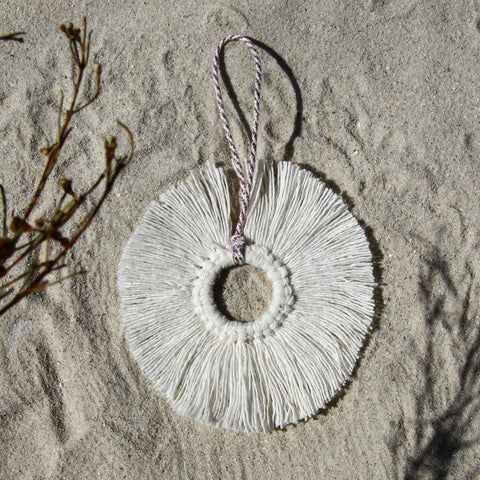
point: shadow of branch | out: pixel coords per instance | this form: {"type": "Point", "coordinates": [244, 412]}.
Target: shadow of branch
{"type": "Point", "coordinates": [443, 431]}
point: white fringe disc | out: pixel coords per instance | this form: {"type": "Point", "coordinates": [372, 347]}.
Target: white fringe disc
{"type": "Point", "coordinates": [290, 362]}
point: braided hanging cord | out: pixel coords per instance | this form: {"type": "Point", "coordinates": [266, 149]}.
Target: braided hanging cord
{"type": "Point", "coordinates": [246, 181]}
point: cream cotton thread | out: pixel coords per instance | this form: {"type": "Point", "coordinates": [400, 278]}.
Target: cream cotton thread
{"type": "Point", "coordinates": [287, 364]}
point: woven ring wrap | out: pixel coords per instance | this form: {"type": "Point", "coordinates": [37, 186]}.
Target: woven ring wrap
{"type": "Point", "coordinates": [272, 318]}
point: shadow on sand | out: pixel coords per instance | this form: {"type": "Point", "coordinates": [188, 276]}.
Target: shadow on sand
{"type": "Point", "coordinates": [443, 431]}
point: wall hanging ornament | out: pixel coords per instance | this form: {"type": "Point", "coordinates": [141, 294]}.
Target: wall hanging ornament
{"type": "Point", "coordinates": [287, 364]}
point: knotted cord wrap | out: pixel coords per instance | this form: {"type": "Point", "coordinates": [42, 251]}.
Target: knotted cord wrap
{"type": "Point", "coordinates": [246, 184]}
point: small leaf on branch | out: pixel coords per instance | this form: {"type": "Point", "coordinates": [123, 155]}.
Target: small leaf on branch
{"type": "Point", "coordinates": [17, 224]}
{"type": "Point", "coordinates": [46, 150]}
{"type": "Point", "coordinates": [56, 235]}
{"type": "Point", "coordinates": [67, 186]}
{"type": "Point", "coordinates": [71, 32]}
{"type": "Point", "coordinates": [40, 222]}
{"type": "Point", "coordinates": [7, 247]}
{"type": "Point", "coordinates": [110, 147]}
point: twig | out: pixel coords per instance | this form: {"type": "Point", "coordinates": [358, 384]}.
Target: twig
{"type": "Point", "coordinates": [47, 231]}
{"type": "Point", "coordinates": [4, 211]}
{"type": "Point", "coordinates": [53, 151]}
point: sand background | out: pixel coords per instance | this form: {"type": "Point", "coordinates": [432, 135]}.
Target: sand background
{"type": "Point", "coordinates": [382, 99]}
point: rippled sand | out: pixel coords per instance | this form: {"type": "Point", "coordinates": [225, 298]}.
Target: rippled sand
{"type": "Point", "coordinates": [379, 98]}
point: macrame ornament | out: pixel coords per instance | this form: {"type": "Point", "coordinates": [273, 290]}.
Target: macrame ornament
{"type": "Point", "coordinates": [287, 364]}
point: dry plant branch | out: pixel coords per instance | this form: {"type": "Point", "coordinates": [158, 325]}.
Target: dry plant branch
{"type": "Point", "coordinates": [21, 270]}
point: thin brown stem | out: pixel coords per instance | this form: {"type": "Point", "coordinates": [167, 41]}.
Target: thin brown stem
{"type": "Point", "coordinates": [48, 229]}
{"type": "Point", "coordinates": [64, 131]}
{"type": "Point", "coordinates": [4, 211]}
{"type": "Point", "coordinates": [31, 247]}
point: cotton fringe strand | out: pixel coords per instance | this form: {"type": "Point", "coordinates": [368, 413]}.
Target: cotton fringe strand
{"type": "Point", "coordinates": [285, 365]}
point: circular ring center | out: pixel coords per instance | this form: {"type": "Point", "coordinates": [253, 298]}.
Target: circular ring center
{"type": "Point", "coordinates": [242, 293]}
{"type": "Point", "coordinates": [267, 323]}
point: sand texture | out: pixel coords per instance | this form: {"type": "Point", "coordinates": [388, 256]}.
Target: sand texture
{"type": "Point", "coordinates": [379, 98]}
